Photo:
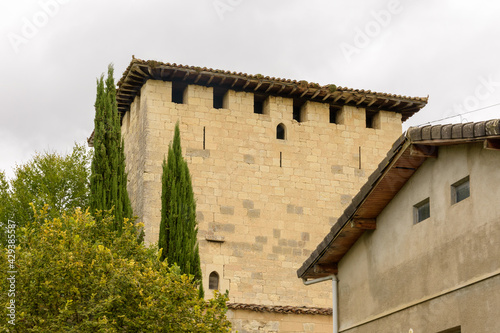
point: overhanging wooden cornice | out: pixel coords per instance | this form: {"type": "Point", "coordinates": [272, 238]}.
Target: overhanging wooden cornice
{"type": "Point", "coordinates": [139, 71]}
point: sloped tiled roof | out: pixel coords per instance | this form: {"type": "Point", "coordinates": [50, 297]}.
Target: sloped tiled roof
{"type": "Point", "coordinates": [139, 71]}
{"type": "Point", "coordinates": [407, 154]}
{"type": "Point", "coordinates": [280, 309]}
{"type": "Point", "coordinates": [454, 132]}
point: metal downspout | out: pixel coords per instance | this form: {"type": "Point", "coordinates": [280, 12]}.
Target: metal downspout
{"type": "Point", "coordinates": [335, 318]}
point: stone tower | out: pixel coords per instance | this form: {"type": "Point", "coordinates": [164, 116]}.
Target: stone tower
{"type": "Point", "coordinates": [274, 163]}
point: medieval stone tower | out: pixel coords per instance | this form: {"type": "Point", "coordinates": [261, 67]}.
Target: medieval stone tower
{"type": "Point", "coordinates": [273, 163]}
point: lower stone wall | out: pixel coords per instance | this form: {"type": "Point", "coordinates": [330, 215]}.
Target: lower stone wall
{"type": "Point", "coordinates": [248, 321]}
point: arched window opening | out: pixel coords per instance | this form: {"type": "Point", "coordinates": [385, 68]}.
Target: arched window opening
{"type": "Point", "coordinates": [213, 281]}
{"type": "Point", "coordinates": [280, 132]}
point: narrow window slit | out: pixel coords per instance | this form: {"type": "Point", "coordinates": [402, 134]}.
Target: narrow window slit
{"type": "Point", "coordinates": [203, 137]}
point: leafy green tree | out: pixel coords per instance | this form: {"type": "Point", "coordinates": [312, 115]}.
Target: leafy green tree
{"type": "Point", "coordinates": [108, 180]}
{"type": "Point", "coordinates": [58, 181]}
{"type": "Point", "coordinates": [76, 275]}
{"type": "Point", "coordinates": [178, 227]}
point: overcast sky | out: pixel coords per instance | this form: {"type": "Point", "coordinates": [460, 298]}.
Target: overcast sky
{"type": "Point", "coordinates": [52, 51]}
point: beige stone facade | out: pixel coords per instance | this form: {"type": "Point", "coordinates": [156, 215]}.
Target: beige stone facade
{"type": "Point", "coordinates": [262, 203]}
{"type": "Point", "coordinates": [269, 322]}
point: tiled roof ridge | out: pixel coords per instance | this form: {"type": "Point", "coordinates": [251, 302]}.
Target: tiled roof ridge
{"type": "Point", "coordinates": [469, 130]}
{"type": "Point", "coordinates": [302, 83]}
{"type": "Point", "coordinates": [280, 309]}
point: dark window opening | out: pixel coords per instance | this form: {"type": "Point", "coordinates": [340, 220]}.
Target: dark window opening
{"type": "Point", "coordinates": [333, 114]}
{"type": "Point", "coordinates": [219, 97]}
{"type": "Point", "coordinates": [297, 110]}
{"type": "Point", "coordinates": [281, 159]}
{"type": "Point", "coordinates": [422, 211]}
{"type": "Point", "coordinates": [258, 103]}
{"type": "Point", "coordinates": [178, 89]}
{"type": "Point", "coordinates": [213, 281]}
{"type": "Point", "coordinates": [280, 132]}
{"type": "Point", "coordinates": [369, 119]}
{"type": "Point", "coordinates": [460, 190]}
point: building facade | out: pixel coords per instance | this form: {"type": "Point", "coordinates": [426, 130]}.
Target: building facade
{"type": "Point", "coordinates": [429, 261]}
{"type": "Point", "coordinates": [273, 162]}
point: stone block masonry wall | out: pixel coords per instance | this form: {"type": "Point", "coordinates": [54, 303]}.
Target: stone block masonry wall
{"type": "Point", "coordinates": [266, 322]}
{"type": "Point", "coordinates": [271, 201]}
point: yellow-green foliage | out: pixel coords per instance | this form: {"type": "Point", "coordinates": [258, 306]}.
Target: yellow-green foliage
{"type": "Point", "coordinates": [76, 275]}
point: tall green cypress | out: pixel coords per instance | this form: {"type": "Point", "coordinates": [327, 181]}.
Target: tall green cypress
{"type": "Point", "coordinates": [178, 227]}
{"type": "Point", "coordinates": [108, 180]}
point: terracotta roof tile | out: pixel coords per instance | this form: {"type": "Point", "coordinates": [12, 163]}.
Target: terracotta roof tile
{"type": "Point", "coordinates": [454, 131]}
{"type": "Point", "coordinates": [280, 309]}
{"type": "Point", "coordinates": [139, 71]}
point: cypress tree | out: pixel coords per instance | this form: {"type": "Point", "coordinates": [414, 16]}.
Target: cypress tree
{"type": "Point", "coordinates": [108, 180]}
{"type": "Point", "coordinates": [178, 227]}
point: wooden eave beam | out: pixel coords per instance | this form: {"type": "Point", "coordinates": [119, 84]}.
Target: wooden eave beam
{"type": "Point", "coordinates": [326, 96]}
{"type": "Point", "coordinates": [246, 84]}
{"type": "Point", "coordinates": [173, 73]}
{"type": "Point", "coordinates": [349, 99]}
{"type": "Point", "coordinates": [417, 150]}
{"type": "Point", "coordinates": [123, 90]}
{"type": "Point", "coordinates": [361, 223]}
{"type": "Point", "coordinates": [197, 78]}
{"type": "Point", "coordinates": [235, 80]}
{"type": "Point", "coordinates": [269, 88]}
{"type": "Point", "coordinates": [283, 86]}
{"type": "Point", "coordinates": [210, 79]}
{"type": "Point", "coordinates": [361, 100]}
{"type": "Point", "coordinates": [131, 79]}
{"type": "Point", "coordinates": [257, 86]}
{"type": "Point", "coordinates": [337, 98]}
{"type": "Point", "coordinates": [137, 68]}
{"type": "Point", "coordinates": [185, 76]}
{"type": "Point", "coordinates": [292, 91]}
{"type": "Point", "coordinates": [407, 106]}
{"type": "Point", "coordinates": [325, 268]}
{"type": "Point", "coordinates": [316, 93]}
{"type": "Point", "coordinates": [374, 99]}
{"type": "Point", "coordinates": [304, 93]}
{"type": "Point", "coordinates": [396, 103]}
{"type": "Point", "coordinates": [137, 76]}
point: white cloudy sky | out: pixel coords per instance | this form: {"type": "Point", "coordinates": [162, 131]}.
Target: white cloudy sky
{"type": "Point", "coordinates": [52, 51]}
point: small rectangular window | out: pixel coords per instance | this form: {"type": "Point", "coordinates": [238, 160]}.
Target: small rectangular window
{"type": "Point", "coordinates": [333, 114]}
{"type": "Point", "coordinates": [219, 97]}
{"type": "Point", "coordinates": [297, 109]}
{"type": "Point", "coordinates": [178, 89]}
{"type": "Point", "coordinates": [460, 190]}
{"type": "Point", "coordinates": [369, 119]}
{"type": "Point", "coordinates": [258, 103]}
{"type": "Point", "coordinates": [422, 211]}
